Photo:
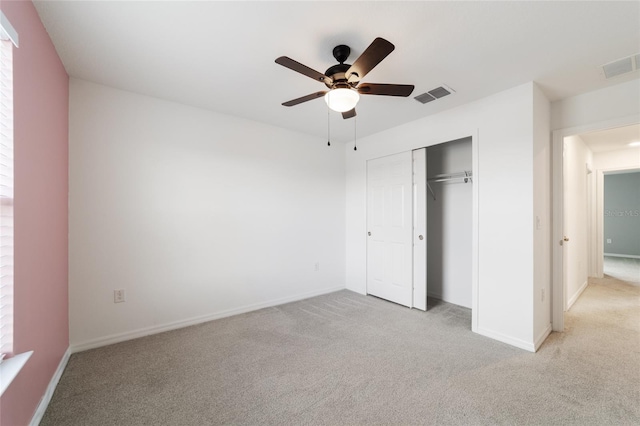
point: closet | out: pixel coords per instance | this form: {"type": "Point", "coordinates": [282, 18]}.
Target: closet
{"type": "Point", "coordinates": [449, 221]}
{"type": "Point", "coordinates": [420, 225]}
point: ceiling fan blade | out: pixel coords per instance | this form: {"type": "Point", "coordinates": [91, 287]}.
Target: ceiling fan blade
{"type": "Point", "coordinates": [385, 89]}
{"type": "Point", "coordinates": [372, 56]}
{"type": "Point", "coordinates": [304, 99]}
{"type": "Point", "coordinates": [349, 114]}
{"type": "Point", "coordinates": [303, 69]}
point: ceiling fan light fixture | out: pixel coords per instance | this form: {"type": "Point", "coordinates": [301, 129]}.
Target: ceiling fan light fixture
{"type": "Point", "coordinates": [342, 100]}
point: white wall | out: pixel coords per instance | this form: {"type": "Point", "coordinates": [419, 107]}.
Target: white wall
{"type": "Point", "coordinates": [502, 126]}
{"type": "Point", "coordinates": [194, 214]}
{"type": "Point", "coordinates": [613, 102]}
{"type": "Point", "coordinates": [449, 224]}
{"type": "Point", "coordinates": [620, 159]}
{"type": "Point", "coordinates": [542, 216]}
{"type": "Point", "coordinates": [576, 226]}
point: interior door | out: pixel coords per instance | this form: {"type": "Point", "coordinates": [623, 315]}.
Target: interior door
{"type": "Point", "coordinates": [389, 228]}
{"type": "Point", "coordinates": [419, 234]}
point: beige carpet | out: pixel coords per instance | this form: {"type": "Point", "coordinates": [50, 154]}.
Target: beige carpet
{"type": "Point", "coordinates": [348, 359]}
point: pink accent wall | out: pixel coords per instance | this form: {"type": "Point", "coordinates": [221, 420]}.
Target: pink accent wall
{"type": "Point", "coordinates": [41, 128]}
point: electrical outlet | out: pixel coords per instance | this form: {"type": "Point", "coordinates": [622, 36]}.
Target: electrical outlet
{"type": "Point", "coordinates": [317, 268]}
{"type": "Point", "coordinates": [118, 296]}
{"type": "Point", "coordinates": [543, 294]}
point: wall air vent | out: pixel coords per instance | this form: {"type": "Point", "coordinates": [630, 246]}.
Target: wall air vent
{"type": "Point", "coordinates": [621, 66]}
{"type": "Point", "coordinates": [432, 95]}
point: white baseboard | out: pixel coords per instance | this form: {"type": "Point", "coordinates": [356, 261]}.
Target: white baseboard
{"type": "Point", "coordinates": [518, 343]}
{"type": "Point", "coordinates": [147, 331]}
{"type": "Point", "coordinates": [577, 294]}
{"type": "Point", "coordinates": [542, 337]}
{"type": "Point", "coordinates": [630, 256]}
{"type": "Point", "coordinates": [48, 393]}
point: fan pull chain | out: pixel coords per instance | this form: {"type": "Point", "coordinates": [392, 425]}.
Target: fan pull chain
{"type": "Point", "coordinates": [328, 127]}
{"type": "Point", "coordinates": [355, 127]}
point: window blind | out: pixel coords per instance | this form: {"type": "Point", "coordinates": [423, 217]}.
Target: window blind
{"type": "Point", "coordinates": [6, 196]}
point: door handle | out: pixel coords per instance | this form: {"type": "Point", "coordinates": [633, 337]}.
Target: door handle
{"type": "Point", "coordinates": [420, 237]}
{"type": "Point", "coordinates": [563, 240]}
{"type": "Point", "coordinates": [369, 233]}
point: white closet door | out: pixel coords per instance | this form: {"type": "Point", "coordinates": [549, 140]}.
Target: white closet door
{"type": "Point", "coordinates": [420, 229]}
{"type": "Point", "coordinates": [389, 233]}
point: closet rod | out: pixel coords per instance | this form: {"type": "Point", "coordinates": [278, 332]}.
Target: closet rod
{"type": "Point", "coordinates": [466, 175]}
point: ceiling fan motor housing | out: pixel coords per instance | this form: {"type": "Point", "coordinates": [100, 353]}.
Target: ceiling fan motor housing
{"type": "Point", "coordinates": [337, 72]}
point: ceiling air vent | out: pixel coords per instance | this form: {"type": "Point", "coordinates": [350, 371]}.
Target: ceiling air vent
{"type": "Point", "coordinates": [434, 94]}
{"type": "Point", "coordinates": [424, 98]}
{"type": "Point", "coordinates": [621, 66]}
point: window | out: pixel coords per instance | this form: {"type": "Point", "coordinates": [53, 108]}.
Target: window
{"type": "Point", "coordinates": [10, 368]}
{"type": "Point", "coordinates": [6, 188]}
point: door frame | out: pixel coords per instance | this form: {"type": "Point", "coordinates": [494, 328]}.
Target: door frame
{"type": "Point", "coordinates": [558, 293]}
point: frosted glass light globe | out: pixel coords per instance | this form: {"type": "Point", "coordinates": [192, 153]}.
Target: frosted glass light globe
{"type": "Point", "coordinates": [341, 100]}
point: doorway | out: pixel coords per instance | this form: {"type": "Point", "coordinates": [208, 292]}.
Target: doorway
{"type": "Point", "coordinates": [449, 199]}
{"type": "Point", "coordinates": [621, 225]}
{"type": "Point", "coordinates": [581, 157]}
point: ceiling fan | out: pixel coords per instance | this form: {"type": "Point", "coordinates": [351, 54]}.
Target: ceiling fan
{"type": "Point", "coordinates": [343, 80]}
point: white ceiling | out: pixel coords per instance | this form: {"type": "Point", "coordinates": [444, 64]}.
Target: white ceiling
{"type": "Point", "coordinates": [612, 139]}
{"type": "Point", "coordinates": [220, 55]}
